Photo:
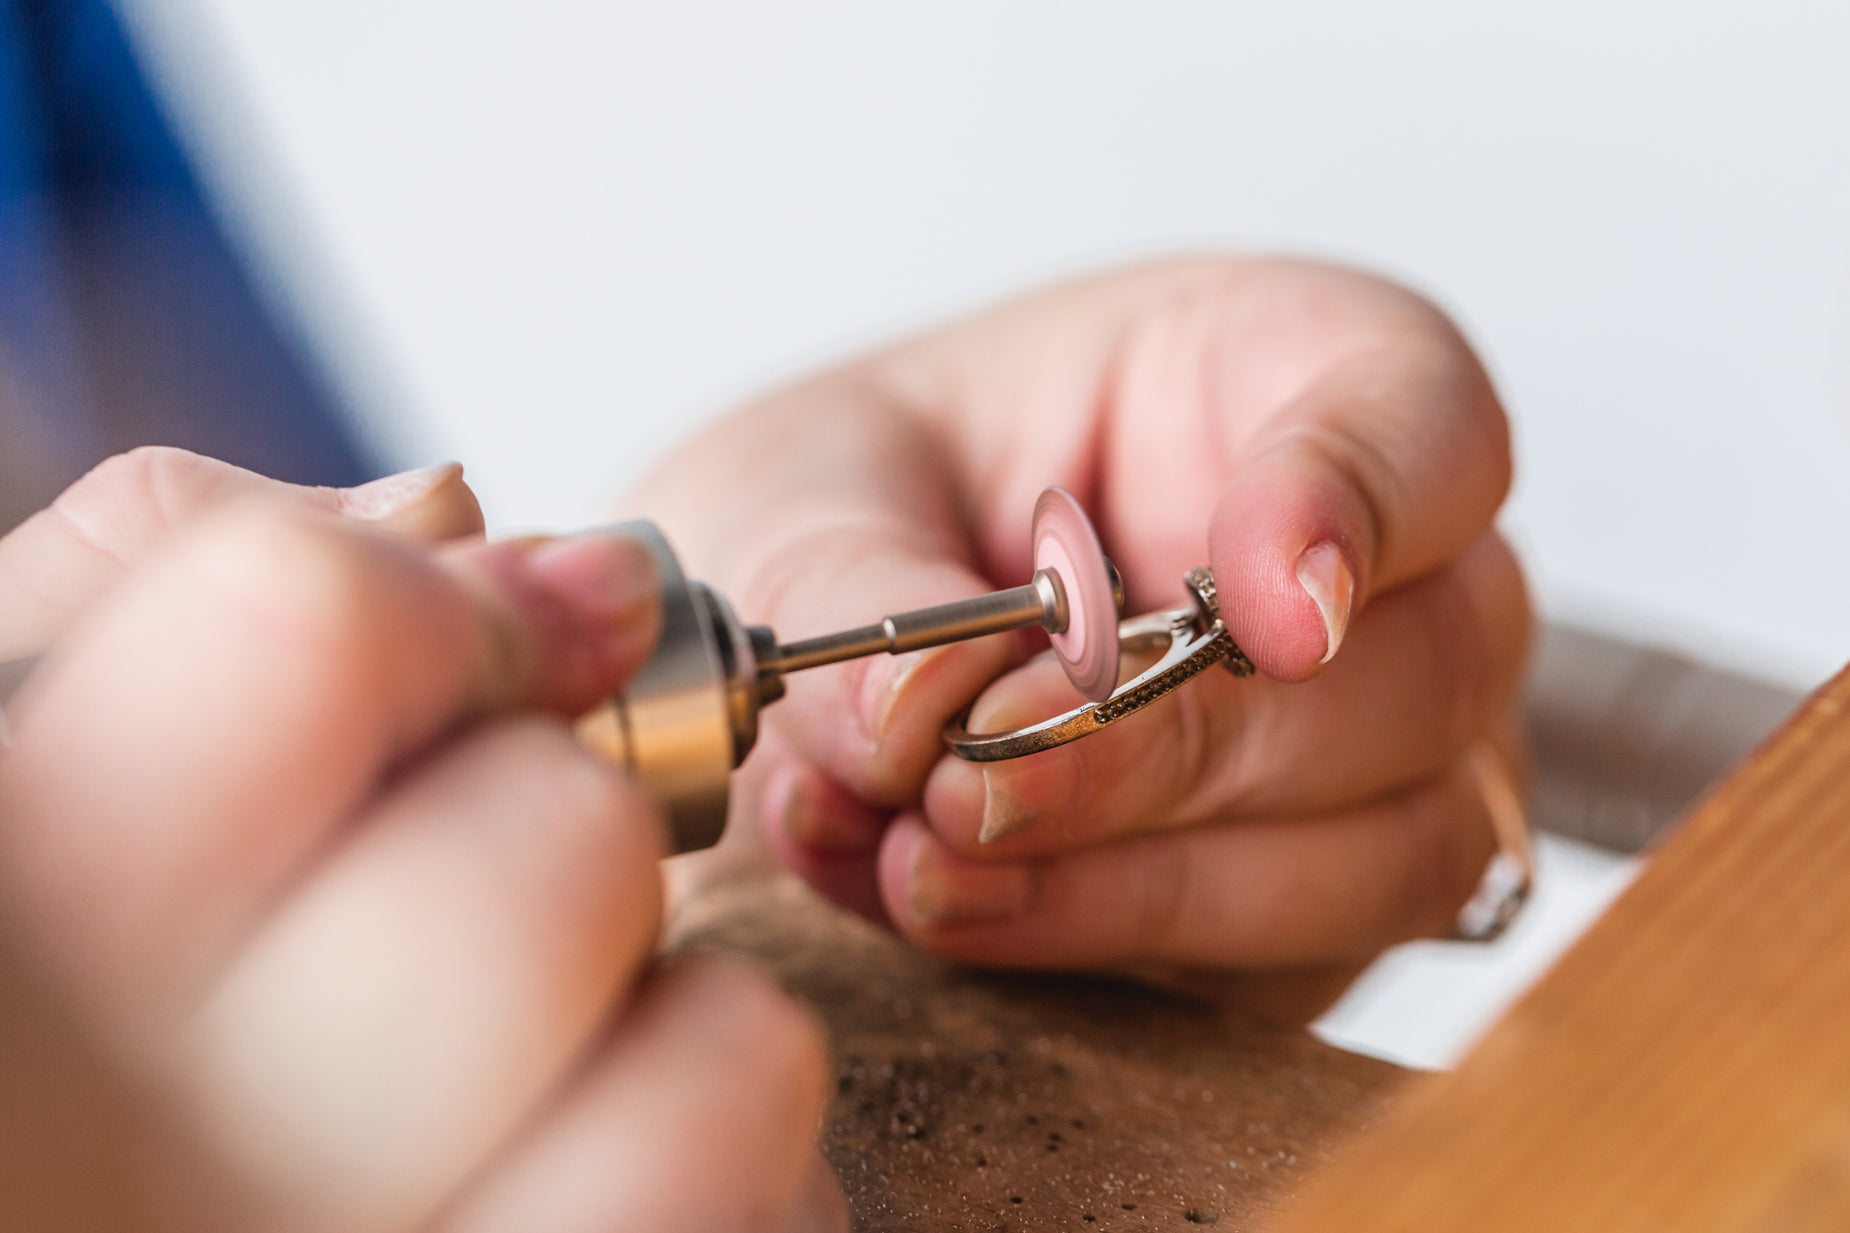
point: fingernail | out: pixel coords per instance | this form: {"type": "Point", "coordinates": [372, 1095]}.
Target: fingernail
{"type": "Point", "coordinates": [1003, 813]}
{"type": "Point", "coordinates": [605, 576]}
{"type": "Point", "coordinates": [1325, 577]}
{"type": "Point", "coordinates": [381, 498]}
{"type": "Point", "coordinates": [944, 889]}
{"type": "Point", "coordinates": [888, 681]}
{"type": "Point", "coordinates": [609, 581]}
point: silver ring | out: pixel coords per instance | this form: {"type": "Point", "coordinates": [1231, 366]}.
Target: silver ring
{"type": "Point", "coordinates": [1509, 878]}
{"type": "Point", "coordinates": [1193, 640]}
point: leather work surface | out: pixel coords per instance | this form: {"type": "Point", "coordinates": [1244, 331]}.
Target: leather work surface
{"type": "Point", "coordinates": [998, 1101]}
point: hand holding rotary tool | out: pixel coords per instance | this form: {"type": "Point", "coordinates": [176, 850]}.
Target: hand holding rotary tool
{"type": "Point", "coordinates": [1323, 442]}
{"type": "Point", "coordinates": [689, 716]}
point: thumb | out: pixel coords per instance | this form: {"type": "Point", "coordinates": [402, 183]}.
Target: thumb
{"type": "Point", "coordinates": [60, 561]}
{"type": "Point", "coordinates": [1381, 471]}
{"type": "Point", "coordinates": [873, 724]}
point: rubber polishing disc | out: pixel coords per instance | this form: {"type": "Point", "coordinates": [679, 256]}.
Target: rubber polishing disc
{"type": "Point", "coordinates": [1066, 544]}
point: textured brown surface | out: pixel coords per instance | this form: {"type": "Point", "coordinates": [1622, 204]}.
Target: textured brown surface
{"type": "Point", "coordinates": [971, 1101]}
{"type": "Point", "coordinates": [1686, 1066]}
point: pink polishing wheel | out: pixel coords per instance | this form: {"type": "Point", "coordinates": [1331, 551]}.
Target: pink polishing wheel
{"type": "Point", "coordinates": [1066, 544]}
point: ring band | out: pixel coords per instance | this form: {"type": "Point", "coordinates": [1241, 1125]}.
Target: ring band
{"type": "Point", "coordinates": [1192, 640]}
{"type": "Point", "coordinates": [1509, 878]}
{"type": "Point", "coordinates": [1189, 653]}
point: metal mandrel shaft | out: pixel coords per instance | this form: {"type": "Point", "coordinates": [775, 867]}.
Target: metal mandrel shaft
{"type": "Point", "coordinates": [1041, 602]}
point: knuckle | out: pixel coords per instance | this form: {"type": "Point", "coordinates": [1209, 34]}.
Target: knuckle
{"type": "Point", "coordinates": [1510, 613]}
{"type": "Point", "coordinates": [1479, 632]}
{"type": "Point", "coordinates": [318, 589]}
{"type": "Point", "coordinates": [1362, 462]}
{"type": "Point", "coordinates": [146, 470]}
{"type": "Point", "coordinates": [1473, 626]}
{"type": "Point", "coordinates": [1439, 361]}
{"type": "Point", "coordinates": [125, 497]}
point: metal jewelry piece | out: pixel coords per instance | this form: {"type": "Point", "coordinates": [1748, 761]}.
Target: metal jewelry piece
{"type": "Point", "coordinates": [1509, 878]}
{"type": "Point", "coordinates": [1192, 640]}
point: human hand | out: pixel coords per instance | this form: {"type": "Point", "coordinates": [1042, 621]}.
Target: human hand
{"type": "Point", "coordinates": [1325, 441]}
{"type": "Point", "coordinates": [296, 830]}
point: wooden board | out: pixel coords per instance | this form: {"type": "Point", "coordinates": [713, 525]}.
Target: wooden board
{"type": "Point", "coordinates": [1686, 1066]}
{"type": "Point", "coordinates": [972, 1101]}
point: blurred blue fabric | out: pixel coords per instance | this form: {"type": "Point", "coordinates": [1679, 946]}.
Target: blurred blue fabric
{"type": "Point", "coordinates": [126, 316]}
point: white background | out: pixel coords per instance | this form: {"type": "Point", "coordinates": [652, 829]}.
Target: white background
{"type": "Point", "coordinates": [546, 238]}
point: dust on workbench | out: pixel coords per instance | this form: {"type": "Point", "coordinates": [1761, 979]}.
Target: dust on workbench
{"type": "Point", "coordinates": [967, 1100]}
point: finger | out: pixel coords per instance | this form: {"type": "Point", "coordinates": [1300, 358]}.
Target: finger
{"type": "Point", "coordinates": [248, 691]}
{"type": "Point", "coordinates": [1146, 392]}
{"type": "Point", "coordinates": [1332, 432]}
{"type": "Point", "coordinates": [821, 1207]}
{"type": "Point", "coordinates": [1250, 894]}
{"type": "Point", "coordinates": [1293, 997]}
{"type": "Point", "coordinates": [1433, 666]}
{"type": "Point", "coordinates": [431, 505]}
{"type": "Point", "coordinates": [57, 563]}
{"type": "Point", "coordinates": [813, 826]}
{"type": "Point", "coordinates": [699, 1113]}
{"type": "Point", "coordinates": [1394, 459]}
{"type": "Point", "coordinates": [397, 1017]}
{"type": "Point", "coordinates": [861, 522]}
{"type": "Point", "coordinates": [783, 809]}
